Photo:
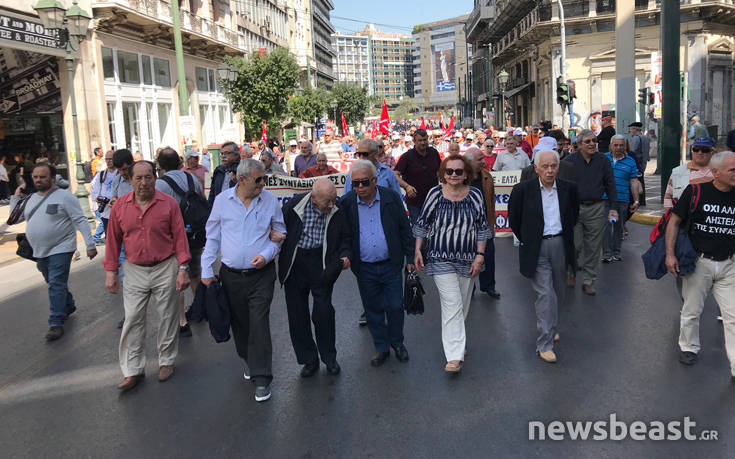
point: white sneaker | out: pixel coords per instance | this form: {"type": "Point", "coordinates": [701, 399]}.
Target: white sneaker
{"type": "Point", "coordinates": [246, 374]}
{"type": "Point", "coordinates": [719, 318]}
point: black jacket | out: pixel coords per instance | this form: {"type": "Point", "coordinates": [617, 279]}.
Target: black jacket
{"type": "Point", "coordinates": [566, 172]}
{"type": "Point", "coordinates": [603, 140]}
{"type": "Point", "coordinates": [219, 175]}
{"type": "Point", "coordinates": [526, 217]}
{"type": "Point", "coordinates": [337, 244]}
{"type": "Point", "coordinates": [210, 303]}
{"type": "Point", "coordinates": [397, 230]}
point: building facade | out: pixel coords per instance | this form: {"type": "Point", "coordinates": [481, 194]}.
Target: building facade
{"type": "Point", "coordinates": [322, 30]}
{"type": "Point", "coordinates": [352, 61]}
{"type": "Point", "coordinates": [309, 41]}
{"type": "Point", "coordinates": [524, 40]}
{"type": "Point", "coordinates": [440, 70]}
{"type": "Point", "coordinates": [391, 65]}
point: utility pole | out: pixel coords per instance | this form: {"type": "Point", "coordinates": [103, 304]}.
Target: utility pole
{"type": "Point", "coordinates": [670, 137]}
{"type": "Point", "coordinates": [625, 63]}
{"type": "Point", "coordinates": [180, 69]}
{"type": "Point", "coordinates": [563, 60]}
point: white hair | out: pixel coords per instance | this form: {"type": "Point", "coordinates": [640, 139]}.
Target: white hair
{"type": "Point", "coordinates": [321, 154]}
{"type": "Point", "coordinates": [246, 166]}
{"type": "Point", "coordinates": [719, 158]}
{"type": "Point", "coordinates": [364, 164]}
{"type": "Point", "coordinates": [537, 158]}
{"type": "Point", "coordinates": [473, 152]}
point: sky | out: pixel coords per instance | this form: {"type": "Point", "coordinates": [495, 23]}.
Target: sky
{"type": "Point", "coordinates": [400, 15]}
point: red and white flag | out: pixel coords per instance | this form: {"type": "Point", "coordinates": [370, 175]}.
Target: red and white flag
{"type": "Point", "coordinates": [450, 128]}
{"type": "Point", "coordinates": [344, 125]}
{"type": "Point", "coordinates": [423, 123]}
{"type": "Point", "coordinates": [384, 120]}
{"type": "Point", "coordinates": [263, 135]}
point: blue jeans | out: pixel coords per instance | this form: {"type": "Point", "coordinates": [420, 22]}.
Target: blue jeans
{"type": "Point", "coordinates": [487, 277]}
{"type": "Point", "coordinates": [613, 236]}
{"type": "Point", "coordinates": [100, 227]}
{"type": "Point", "coordinates": [381, 290]}
{"type": "Point", "coordinates": [55, 270]}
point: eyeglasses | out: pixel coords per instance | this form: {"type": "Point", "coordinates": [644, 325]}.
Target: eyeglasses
{"type": "Point", "coordinates": [704, 150]}
{"type": "Point", "coordinates": [457, 172]}
{"type": "Point", "coordinates": [259, 179]}
{"type": "Point", "coordinates": [227, 152]}
{"type": "Point", "coordinates": [360, 154]}
{"type": "Point", "coordinates": [590, 141]}
{"type": "Point", "coordinates": [359, 183]}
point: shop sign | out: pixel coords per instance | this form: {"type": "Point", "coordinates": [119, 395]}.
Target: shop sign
{"type": "Point", "coordinates": [29, 32]}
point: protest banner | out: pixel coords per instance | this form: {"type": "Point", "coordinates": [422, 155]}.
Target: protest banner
{"type": "Point", "coordinates": [285, 186]}
{"type": "Point", "coordinates": [504, 182]}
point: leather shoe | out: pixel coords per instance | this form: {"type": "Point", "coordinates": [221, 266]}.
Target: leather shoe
{"type": "Point", "coordinates": [401, 353]}
{"type": "Point", "coordinates": [165, 372]}
{"type": "Point", "coordinates": [333, 368]}
{"type": "Point", "coordinates": [589, 289]}
{"type": "Point", "coordinates": [130, 381]}
{"type": "Point", "coordinates": [379, 359]}
{"type": "Point", "coordinates": [571, 280]}
{"type": "Point", "coordinates": [688, 358]}
{"type": "Point", "coordinates": [309, 370]}
{"type": "Point", "coordinates": [491, 293]}
{"type": "Point", "coordinates": [54, 333]}
{"type": "Point", "coordinates": [548, 356]}
{"type": "Point", "coordinates": [453, 366]}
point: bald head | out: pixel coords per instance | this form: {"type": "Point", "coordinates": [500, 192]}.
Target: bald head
{"type": "Point", "coordinates": [324, 195]}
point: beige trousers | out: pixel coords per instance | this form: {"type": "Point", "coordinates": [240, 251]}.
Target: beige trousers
{"type": "Point", "coordinates": [455, 295]}
{"type": "Point", "coordinates": [719, 277]}
{"type": "Point", "coordinates": [154, 286]}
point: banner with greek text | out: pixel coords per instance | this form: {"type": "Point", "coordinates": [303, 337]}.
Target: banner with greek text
{"type": "Point", "coordinates": [285, 187]}
{"type": "Point", "coordinates": [504, 182]}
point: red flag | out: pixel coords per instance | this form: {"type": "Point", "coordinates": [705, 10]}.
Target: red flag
{"type": "Point", "coordinates": [423, 123]}
{"type": "Point", "coordinates": [263, 136]}
{"type": "Point", "coordinates": [373, 131]}
{"type": "Point", "coordinates": [344, 125]}
{"type": "Point", "coordinates": [384, 119]}
{"type": "Point", "coordinates": [450, 128]}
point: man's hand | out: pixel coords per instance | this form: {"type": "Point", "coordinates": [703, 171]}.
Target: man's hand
{"type": "Point", "coordinates": [182, 280]}
{"type": "Point", "coordinates": [91, 253]}
{"type": "Point", "coordinates": [613, 213]}
{"type": "Point", "coordinates": [276, 236]}
{"type": "Point", "coordinates": [418, 261]}
{"type": "Point", "coordinates": [345, 262]}
{"type": "Point", "coordinates": [633, 207]}
{"type": "Point", "coordinates": [672, 264]}
{"type": "Point", "coordinates": [111, 282]}
{"type": "Point", "coordinates": [207, 280]}
{"type": "Point", "coordinates": [258, 262]}
{"type": "Point", "coordinates": [19, 191]}
{"type": "Point", "coordinates": [410, 267]}
{"type": "Point", "coordinates": [410, 191]}
{"type": "Point", "coordinates": [477, 265]}
{"type": "Point", "coordinates": [112, 201]}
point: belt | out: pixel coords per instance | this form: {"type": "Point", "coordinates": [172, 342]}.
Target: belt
{"type": "Point", "coordinates": [589, 202]}
{"type": "Point", "coordinates": [242, 272]}
{"type": "Point", "coordinates": [715, 257]}
{"type": "Point", "coordinates": [151, 264]}
{"type": "Point", "coordinates": [549, 236]}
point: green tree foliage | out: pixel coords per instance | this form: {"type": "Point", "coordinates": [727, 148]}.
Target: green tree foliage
{"type": "Point", "coordinates": [351, 100]}
{"type": "Point", "coordinates": [262, 88]}
{"type": "Point", "coordinates": [309, 105]}
{"type": "Point", "coordinates": [406, 107]}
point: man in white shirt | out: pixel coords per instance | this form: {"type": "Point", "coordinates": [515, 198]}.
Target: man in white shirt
{"type": "Point", "coordinates": [101, 194]}
{"type": "Point", "coordinates": [238, 228]}
{"type": "Point", "coordinates": [330, 147]}
{"type": "Point", "coordinates": [511, 159]}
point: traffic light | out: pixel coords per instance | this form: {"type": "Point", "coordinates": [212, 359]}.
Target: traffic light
{"type": "Point", "coordinates": [562, 92]}
{"type": "Point", "coordinates": [643, 96]}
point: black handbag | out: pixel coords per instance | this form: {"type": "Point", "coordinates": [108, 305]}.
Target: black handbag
{"type": "Point", "coordinates": [413, 301]}
{"type": "Point", "coordinates": [24, 247]}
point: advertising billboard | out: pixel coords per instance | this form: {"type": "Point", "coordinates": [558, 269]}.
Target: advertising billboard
{"type": "Point", "coordinates": [444, 58]}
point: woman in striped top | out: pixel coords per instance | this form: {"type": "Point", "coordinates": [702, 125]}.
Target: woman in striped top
{"type": "Point", "coordinates": [454, 228]}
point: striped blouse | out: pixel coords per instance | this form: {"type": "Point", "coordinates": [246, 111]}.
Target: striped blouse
{"type": "Point", "coordinates": [452, 231]}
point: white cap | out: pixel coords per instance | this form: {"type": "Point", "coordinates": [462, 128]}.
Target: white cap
{"type": "Point", "coordinates": [545, 143]}
{"type": "Point", "coordinates": [192, 153]}
{"type": "Point", "coordinates": [469, 136]}
{"type": "Point", "coordinates": [518, 132]}
{"type": "Point", "coordinates": [396, 137]}
{"type": "Point", "coordinates": [408, 138]}
{"type": "Point", "coordinates": [457, 134]}
{"type": "Point", "coordinates": [292, 143]}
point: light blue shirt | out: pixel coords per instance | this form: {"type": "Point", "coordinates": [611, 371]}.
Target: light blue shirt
{"type": "Point", "coordinates": [241, 234]}
{"type": "Point", "coordinates": [386, 178]}
{"type": "Point", "coordinates": [373, 246]}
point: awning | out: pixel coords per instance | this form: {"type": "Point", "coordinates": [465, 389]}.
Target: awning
{"type": "Point", "coordinates": [515, 91]}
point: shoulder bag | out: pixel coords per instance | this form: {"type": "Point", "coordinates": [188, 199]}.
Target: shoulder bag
{"type": "Point", "coordinates": [24, 247]}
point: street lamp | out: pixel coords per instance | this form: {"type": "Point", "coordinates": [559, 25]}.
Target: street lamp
{"type": "Point", "coordinates": [333, 104]}
{"type": "Point", "coordinates": [72, 27]}
{"type": "Point", "coordinates": [503, 82]}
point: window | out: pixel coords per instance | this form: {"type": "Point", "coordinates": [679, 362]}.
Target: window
{"type": "Point", "coordinates": [108, 64]}
{"type": "Point", "coordinates": [201, 76]}
{"type": "Point", "coordinates": [131, 124]}
{"type": "Point", "coordinates": [127, 67]}
{"type": "Point", "coordinates": [111, 124]}
{"type": "Point", "coordinates": [210, 72]}
{"type": "Point", "coordinates": [152, 141]}
{"type": "Point", "coordinates": [162, 72]}
{"type": "Point", "coordinates": [165, 129]}
{"type": "Point", "coordinates": [147, 70]}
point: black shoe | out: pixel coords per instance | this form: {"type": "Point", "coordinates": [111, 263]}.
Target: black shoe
{"type": "Point", "coordinates": [70, 310]}
{"type": "Point", "coordinates": [732, 379]}
{"type": "Point", "coordinates": [688, 358]}
{"type": "Point", "coordinates": [120, 324]}
{"type": "Point", "coordinates": [187, 314]}
{"type": "Point", "coordinates": [185, 331]}
{"type": "Point", "coordinates": [333, 368]}
{"type": "Point", "coordinates": [363, 320]}
{"type": "Point", "coordinates": [401, 353]}
{"type": "Point", "coordinates": [616, 258]}
{"type": "Point", "coordinates": [379, 359]}
{"type": "Point", "coordinates": [607, 259]}
{"type": "Point", "coordinates": [309, 370]}
{"type": "Point", "coordinates": [54, 333]}
{"type": "Point", "coordinates": [493, 294]}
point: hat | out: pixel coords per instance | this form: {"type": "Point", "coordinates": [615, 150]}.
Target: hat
{"type": "Point", "coordinates": [607, 118]}
{"type": "Point", "coordinates": [408, 138]}
{"type": "Point", "coordinates": [545, 143]}
{"type": "Point", "coordinates": [292, 143]}
{"type": "Point", "coordinates": [637, 124]}
{"type": "Point", "coordinates": [457, 134]}
{"type": "Point", "coordinates": [469, 136]}
{"type": "Point", "coordinates": [192, 154]}
{"type": "Point", "coordinates": [396, 137]}
{"type": "Point", "coordinates": [703, 142]}
{"type": "Point", "coordinates": [518, 132]}
{"type": "Point", "coordinates": [436, 132]}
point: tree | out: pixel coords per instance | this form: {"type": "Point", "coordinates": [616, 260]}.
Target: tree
{"type": "Point", "coordinates": [406, 107]}
{"type": "Point", "coordinates": [311, 104]}
{"type": "Point", "coordinates": [351, 100]}
{"type": "Point", "coordinates": [261, 90]}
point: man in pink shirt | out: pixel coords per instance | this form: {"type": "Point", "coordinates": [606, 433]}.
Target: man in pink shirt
{"type": "Point", "coordinates": [150, 225]}
{"type": "Point", "coordinates": [193, 167]}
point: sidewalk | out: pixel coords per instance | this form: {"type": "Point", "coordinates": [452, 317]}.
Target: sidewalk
{"type": "Point", "coordinates": [654, 209]}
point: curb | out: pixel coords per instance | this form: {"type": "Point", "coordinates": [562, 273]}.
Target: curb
{"type": "Point", "coordinates": [646, 219]}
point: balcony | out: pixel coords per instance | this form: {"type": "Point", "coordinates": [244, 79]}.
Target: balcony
{"type": "Point", "coordinates": [478, 23]}
{"type": "Point", "coordinates": [507, 13]}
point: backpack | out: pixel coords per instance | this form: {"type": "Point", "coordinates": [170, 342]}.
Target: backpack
{"type": "Point", "coordinates": [194, 210]}
{"type": "Point", "coordinates": [659, 230]}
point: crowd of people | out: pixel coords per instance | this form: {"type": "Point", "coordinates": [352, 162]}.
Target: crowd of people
{"type": "Point", "coordinates": [567, 214]}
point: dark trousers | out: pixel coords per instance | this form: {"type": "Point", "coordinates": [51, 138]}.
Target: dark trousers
{"type": "Point", "coordinates": [55, 270]}
{"type": "Point", "coordinates": [250, 297]}
{"type": "Point", "coordinates": [306, 277]}
{"type": "Point", "coordinates": [381, 291]}
{"type": "Point", "coordinates": [487, 277]}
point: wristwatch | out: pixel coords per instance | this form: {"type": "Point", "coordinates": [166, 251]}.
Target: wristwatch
{"type": "Point", "coordinates": [636, 202]}
{"type": "Point", "coordinates": [183, 267]}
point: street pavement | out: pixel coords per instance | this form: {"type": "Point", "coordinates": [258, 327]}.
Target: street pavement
{"type": "Point", "coordinates": [617, 354]}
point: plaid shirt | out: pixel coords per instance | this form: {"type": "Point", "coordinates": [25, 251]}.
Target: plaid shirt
{"type": "Point", "coordinates": [314, 224]}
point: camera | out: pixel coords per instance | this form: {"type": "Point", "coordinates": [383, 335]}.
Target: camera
{"type": "Point", "coordinates": [102, 202]}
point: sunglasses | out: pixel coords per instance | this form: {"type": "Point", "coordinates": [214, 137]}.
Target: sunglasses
{"type": "Point", "coordinates": [590, 141]}
{"type": "Point", "coordinates": [701, 150]}
{"type": "Point", "coordinates": [359, 183]}
{"type": "Point", "coordinates": [259, 179]}
{"type": "Point", "coordinates": [457, 172]}
{"type": "Point", "coordinates": [360, 154]}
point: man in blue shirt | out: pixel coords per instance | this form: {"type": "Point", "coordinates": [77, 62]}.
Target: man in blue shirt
{"type": "Point", "coordinates": [381, 243]}
{"type": "Point", "coordinates": [625, 171]}
{"type": "Point", "coordinates": [368, 149]}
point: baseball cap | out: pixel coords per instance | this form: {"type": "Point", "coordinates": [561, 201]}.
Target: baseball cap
{"type": "Point", "coordinates": [292, 143]}
{"type": "Point", "coordinates": [192, 154]}
{"type": "Point", "coordinates": [545, 143]}
{"type": "Point", "coordinates": [637, 124]}
{"type": "Point", "coordinates": [518, 132]}
{"type": "Point", "coordinates": [703, 142]}
{"type": "Point", "coordinates": [436, 132]}
{"type": "Point", "coordinates": [396, 137]}
{"type": "Point", "coordinates": [469, 136]}
{"type": "Point", "coordinates": [408, 138]}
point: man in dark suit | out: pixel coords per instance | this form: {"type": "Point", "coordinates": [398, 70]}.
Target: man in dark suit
{"type": "Point", "coordinates": [566, 172]}
{"type": "Point", "coordinates": [381, 242]}
{"type": "Point", "coordinates": [542, 215]}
